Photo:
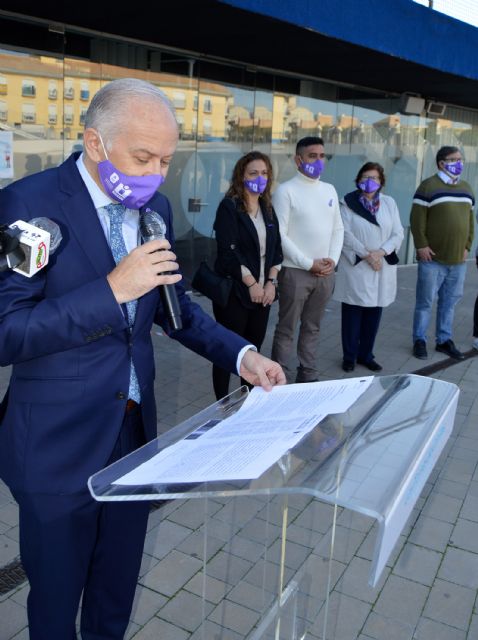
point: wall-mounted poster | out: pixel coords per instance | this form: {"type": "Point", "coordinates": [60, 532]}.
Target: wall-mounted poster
{"type": "Point", "coordinates": [6, 154]}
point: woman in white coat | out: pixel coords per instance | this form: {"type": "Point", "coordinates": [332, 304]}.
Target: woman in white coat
{"type": "Point", "coordinates": [366, 278]}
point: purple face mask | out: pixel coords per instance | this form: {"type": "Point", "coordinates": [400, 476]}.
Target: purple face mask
{"type": "Point", "coordinates": [455, 168]}
{"type": "Point", "coordinates": [257, 185]}
{"type": "Point", "coordinates": [369, 185]}
{"type": "Point", "coordinates": [312, 169]}
{"type": "Point", "coordinates": [132, 191]}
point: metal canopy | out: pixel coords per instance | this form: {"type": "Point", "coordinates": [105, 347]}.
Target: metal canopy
{"type": "Point", "coordinates": [404, 48]}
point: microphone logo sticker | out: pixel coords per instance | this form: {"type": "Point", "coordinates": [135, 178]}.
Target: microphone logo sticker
{"type": "Point", "coordinates": [40, 260]}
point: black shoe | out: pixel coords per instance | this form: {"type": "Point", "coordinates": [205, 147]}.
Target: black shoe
{"type": "Point", "coordinates": [449, 348]}
{"type": "Point", "coordinates": [371, 364]}
{"type": "Point", "coordinates": [348, 365]}
{"type": "Point", "coordinates": [300, 381]}
{"type": "Point", "coordinates": [420, 349]}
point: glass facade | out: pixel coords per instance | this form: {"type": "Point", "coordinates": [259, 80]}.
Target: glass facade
{"type": "Point", "coordinates": [223, 111]}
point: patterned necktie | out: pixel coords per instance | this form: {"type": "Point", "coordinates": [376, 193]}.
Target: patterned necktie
{"type": "Point", "coordinates": [116, 213]}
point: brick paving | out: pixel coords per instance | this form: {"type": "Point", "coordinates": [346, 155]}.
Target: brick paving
{"type": "Point", "coordinates": [429, 588]}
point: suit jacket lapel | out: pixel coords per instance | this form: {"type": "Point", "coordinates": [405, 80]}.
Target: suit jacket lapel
{"type": "Point", "coordinates": [83, 220]}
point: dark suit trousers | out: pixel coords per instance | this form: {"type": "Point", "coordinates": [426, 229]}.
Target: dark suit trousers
{"type": "Point", "coordinates": [71, 544]}
{"type": "Point", "coordinates": [359, 330]}
{"type": "Point", "coordinates": [251, 324]}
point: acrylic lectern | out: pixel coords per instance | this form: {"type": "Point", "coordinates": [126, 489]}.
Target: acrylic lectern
{"type": "Point", "coordinates": [273, 550]}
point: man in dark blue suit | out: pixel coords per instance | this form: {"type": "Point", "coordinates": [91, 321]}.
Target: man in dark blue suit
{"type": "Point", "coordinates": [81, 391]}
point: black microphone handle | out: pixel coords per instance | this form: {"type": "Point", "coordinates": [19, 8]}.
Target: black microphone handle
{"type": "Point", "coordinates": [170, 302]}
{"type": "Point", "coordinates": [168, 295]}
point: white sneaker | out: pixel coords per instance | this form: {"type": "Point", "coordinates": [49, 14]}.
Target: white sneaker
{"type": "Point", "coordinates": [474, 344]}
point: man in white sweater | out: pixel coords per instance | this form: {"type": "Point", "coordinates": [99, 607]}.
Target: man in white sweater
{"type": "Point", "coordinates": [312, 234]}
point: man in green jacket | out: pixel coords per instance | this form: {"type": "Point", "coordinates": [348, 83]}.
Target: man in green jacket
{"type": "Point", "coordinates": [442, 225]}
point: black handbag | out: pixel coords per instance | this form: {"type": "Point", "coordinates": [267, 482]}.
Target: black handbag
{"type": "Point", "coordinates": [215, 287]}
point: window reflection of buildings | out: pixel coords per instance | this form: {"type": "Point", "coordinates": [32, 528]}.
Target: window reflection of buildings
{"type": "Point", "coordinates": [32, 88]}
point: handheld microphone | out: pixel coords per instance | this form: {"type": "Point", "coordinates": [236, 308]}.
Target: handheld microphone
{"type": "Point", "coordinates": [152, 227]}
{"type": "Point", "coordinates": [25, 247]}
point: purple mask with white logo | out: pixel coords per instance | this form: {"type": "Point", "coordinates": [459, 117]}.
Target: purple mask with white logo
{"type": "Point", "coordinates": [369, 185]}
{"type": "Point", "coordinates": [132, 191]}
{"type": "Point", "coordinates": [257, 185]}
{"type": "Point", "coordinates": [312, 169]}
{"type": "Point", "coordinates": [455, 168]}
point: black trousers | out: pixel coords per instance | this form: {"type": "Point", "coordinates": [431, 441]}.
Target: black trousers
{"type": "Point", "coordinates": [72, 545]}
{"type": "Point", "coordinates": [359, 330]}
{"type": "Point", "coordinates": [251, 324]}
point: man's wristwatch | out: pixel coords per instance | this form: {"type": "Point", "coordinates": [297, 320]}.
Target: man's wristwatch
{"type": "Point", "coordinates": [273, 280]}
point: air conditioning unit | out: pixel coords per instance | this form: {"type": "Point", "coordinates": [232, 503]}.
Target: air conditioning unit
{"type": "Point", "coordinates": [411, 105]}
{"type": "Point", "coordinates": [436, 108]}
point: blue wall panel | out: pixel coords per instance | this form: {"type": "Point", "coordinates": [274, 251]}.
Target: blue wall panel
{"type": "Point", "coordinates": [400, 28]}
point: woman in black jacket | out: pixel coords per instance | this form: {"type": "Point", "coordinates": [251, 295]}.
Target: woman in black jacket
{"type": "Point", "coordinates": [249, 251]}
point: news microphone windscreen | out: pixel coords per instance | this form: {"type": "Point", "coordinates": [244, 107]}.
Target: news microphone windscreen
{"type": "Point", "coordinates": [53, 229]}
{"type": "Point", "coordinates": [152, 226]}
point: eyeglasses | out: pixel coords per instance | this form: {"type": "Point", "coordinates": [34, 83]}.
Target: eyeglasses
{"type": "Point", "coordinates": [453, 160]}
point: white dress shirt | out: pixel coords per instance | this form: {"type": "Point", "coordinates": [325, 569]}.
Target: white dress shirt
{"type": "Point", "coordinates": [130, 225]}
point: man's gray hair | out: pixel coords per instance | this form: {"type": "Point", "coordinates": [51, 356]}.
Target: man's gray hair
{"type": "Point", "coordinates": [107, 107]}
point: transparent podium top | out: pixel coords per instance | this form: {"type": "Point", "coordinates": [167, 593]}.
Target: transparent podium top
{"type": "Point", "coordinates": [373, 459]}
{"type": "Point", "coordinates": [357, 459]}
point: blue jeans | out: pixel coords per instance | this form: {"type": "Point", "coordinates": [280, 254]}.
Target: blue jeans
{"type": "Point", "coordinates": [446, 281]}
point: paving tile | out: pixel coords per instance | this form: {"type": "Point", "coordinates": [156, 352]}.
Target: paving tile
{"type": "Point", "coordinates": [418, 564]}
{"type": "Point", "coordinates": [185, 611]}
{"type": "Point", "coordinates": [243, 548]}
{"type": "Point", "coordinates": [251, 597]}
{"type": "Point", "coordinates": [131, 630]}
{"type": "Point", "coordinates": [317, 516]}
{"type": "Point", "coordinates": [354, 581]}
{"type": "Point", "coordinates": [401, 599]}
{"type": "Point", "coordinates": [13, 619]}
{"type": "Point", "coordinates": [304, 536]}
{"type": "Point", "coordinates": [381, 627]}
{"type": "Point", "coordinates": [451, 604]}
{"type": "Point", "coordinates": [295, 554]}
{"type": "Point", "coordinates": [146, 604]}
{"type": "Point", "coordinates": [473, 630]}
{"type": "Point", "coordinates": [460, 567]}
{"type": "Point", "coordinates": [171, 573]}
{"type": "Point", "coordinates": [431, 630]}
{"type": "Point", "coordinates": [357, 521]}
{"type": "Point", "coordinates": [213, 631]}
{"type": "Point", "coordinates": [345, 543]}
{"type": "Point", "coordinates": [241, 511]}
{"type": "Point", "coordinates": [465, 535]}
{"type": "Point", "coordinates": [442, 507]}
{"type": "Point", "coordinates": [260, 531]}
{"type": "Point", "coordinates": [164, 538]}
{"type": "Point", "coordinates": [156, 628]}
{"type": "Point", "coordinates": [458, 470]}
{"type": "Point", "coordinates": [367, 548]}
{"type": "Point", "coordinates": [431, 533]}
{"type": "Point", "coordinates": [469, 510]}
{"type": "Point", "coordinates": [213, 590]}
{"type": "Point", "coordinates": [193, 545]}
{"type": "Point", "coordinates": [147, 563]}
{"type": "Point", "coordinates": [20, 595]}
{"type": "Point", "coordinates": [234, 617]}
{"type": "Point", "coordinates": [345, 618]}
{"type": "Point", "coordinates": [227, 568]}
{"type": "Point", "coordinates": [9, 550]}
{"type": "Point", "coordinates": [9, 514]}
{"type": "Point", "coordinates": [192, 512]}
